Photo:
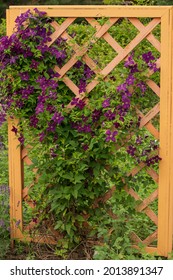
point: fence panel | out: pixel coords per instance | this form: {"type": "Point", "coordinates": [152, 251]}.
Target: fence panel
{"type": "Point", "coordinates": [160, 239]}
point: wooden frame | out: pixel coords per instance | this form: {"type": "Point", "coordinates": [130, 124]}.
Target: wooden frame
{"type": "Point", "coordinates": [164, 15]}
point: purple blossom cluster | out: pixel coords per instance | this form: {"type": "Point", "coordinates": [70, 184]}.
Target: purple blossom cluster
{"type": "Point", "coordinates": [82, 85]}
{"type": "Point", "coordinates": [47, 83]}
{"type": "Point", "coordinates": [110, 116]}
{"type": "Point", "coordinates": [57, 118]}
{"type": "Point", "coordinates": [79, 103]}
{"type": "Point", "coordinates": [152, 160]}
{"type": "Point", "coordinates": [120, 111]}
{"type": "Point", "coordinates": [53, 153]}
{"type": "Point", "coordinates": [131, 64]}
{"type": "Point", "coordinates": [144, 154]}
{"type": "Point", "coordinates": [149, 59]}
{"type": "Point", "coordinates": [96, 114]}
{"type": "Point", "coordinates": [42, 135]}
{"type": "Point", "coordinates": [21, 138]}
{"type": "Point", "coordinates": [142, 86]}
{"type": "Point", "coordinates": [106, 103]}
{"type": "Point", "coordinates": [124, 107]}
{"type": "Point", "coordinates": [14, 129]}
{"type": "Point", "coordinates": [87, 74]}
{"type": "Point", "coordinates": [131, 150]}
{"type": "Point", "coordinates": [24, 93]}
{"type": "Point", "coordinates": [81, 128]}
{"type": "Point", "coordinates": [34, 121]}
{"type": "Point", "coordinates": [59, 54]}
{"type": "Point", "coordinates": [37, 89]}
{"type": "Point", "coordinates": [23, 18]}
{"type": "Point", "coordinates": [125, 97]}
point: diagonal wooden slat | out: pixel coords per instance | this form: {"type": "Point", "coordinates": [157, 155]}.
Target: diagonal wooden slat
{"type": "Point", "coordinates": [76, 47]}
{"type": "Point", "coordinates": [108, 38]}
{"type": "Point", "coordinates": [69, 83]}
{"type": "Point", "coordinates": [104, 28]}
{"type": "Point", "coordinates": [125, 52]}
{"type": "Point", "coordinates": [152, 237]}
{"type": "Point", "coordinates": [135, 238]}
{"type": "Point", "coordinates": [149, 125]}
{"type": "Point", "coordinates": [131, 46]}
{"type": "Point", "coordinates": [136, 22]}
{"type": "Point", "coordinates": [85, 58]}
{"type": "Point", "coordinates": [147, 201]}
{"type": "Point", "coordinates": [147, 210]}
{"type": "Point", "coordinates": [82, 50]}
{"type": "Point", "coordinates": [117, 59]}
{"type": "Point", "coordinates": [150, 37]}
{"type": "Point", "coordinates": [104, 198]}
{"type": "Point", "coordinates": [153, 217]}
{"type": "Point", "coordinates": [153, 175]}
{"type": "Point", "coordinates": [151, 71]}
{"type": "Point", "coordinates": [150, 115]}
{"type": "Point", "coordinates": [154, 87]}
{"type": "Point", "coordinates": [136, 169]}
{"type": "Point", "coordinates": [25, 192]}
{"type": "Point", "coordinates": [58, 32]}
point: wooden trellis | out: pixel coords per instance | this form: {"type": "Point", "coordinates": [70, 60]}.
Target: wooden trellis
{"type": "Point", "coordinates": [164, 193]}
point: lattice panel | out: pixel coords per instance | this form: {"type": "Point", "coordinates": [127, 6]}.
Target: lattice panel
{"type": "Point", "coordinates": [122, 53]}
{"type": "Point", "coordinates": [144, 32]}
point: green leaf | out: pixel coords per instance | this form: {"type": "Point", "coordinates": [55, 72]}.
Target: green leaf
{"type": "Point", "coordinates": [78, 178]}
{"type": "Point", "coordinates": [46, 75]}
{"type": "Point", "coordinates": [68, 228]}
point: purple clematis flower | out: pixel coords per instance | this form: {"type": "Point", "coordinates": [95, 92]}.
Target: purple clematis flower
{"type": "Point", "coordinates": [57, 118]}
{"type": "Point", "coordinates": [24, 76]}
{"type": "Point", "coordinates": [111, 135]}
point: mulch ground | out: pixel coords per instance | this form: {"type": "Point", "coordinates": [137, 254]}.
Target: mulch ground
{"type": "Point", "coordinates": [37, 251]}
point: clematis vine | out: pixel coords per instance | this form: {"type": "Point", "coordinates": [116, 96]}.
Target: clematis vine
{"type": "Point", "coordinates": [81, 118]}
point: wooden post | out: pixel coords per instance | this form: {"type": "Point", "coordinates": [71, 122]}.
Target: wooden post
{"type": "Point", "coordinates": [15, 182]}
{"type": "Point", "coordinates": [165, 202]}
{"type": "Point", "coordinates": [171, 154]}
{"type": "Point", "coordinates": [15, 169]}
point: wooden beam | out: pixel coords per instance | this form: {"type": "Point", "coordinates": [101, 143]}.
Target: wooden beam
{"type": "Point", "coordinates": [96, 10]}
{"type": "Point", "coordinates": [165, 201]}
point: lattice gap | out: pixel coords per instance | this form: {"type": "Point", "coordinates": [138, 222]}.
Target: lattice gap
{"type": "Point", "coordinates": [127, 30]}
